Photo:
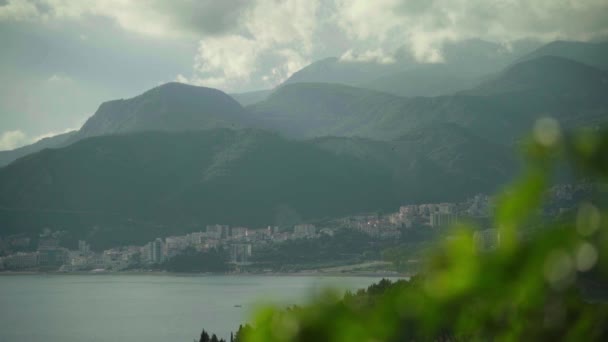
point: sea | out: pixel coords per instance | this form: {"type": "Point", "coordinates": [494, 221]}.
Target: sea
{"type": "Point", "coordinates": [144, 307]}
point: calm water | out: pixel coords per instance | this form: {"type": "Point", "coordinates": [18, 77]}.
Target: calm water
{"type": "Point", "coordinates": [151, 308]}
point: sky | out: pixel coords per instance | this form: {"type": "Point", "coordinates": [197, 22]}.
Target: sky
{"type": "Point", "coordinates": [60, 59]}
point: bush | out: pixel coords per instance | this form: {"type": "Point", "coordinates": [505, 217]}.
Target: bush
{"type": "Point", "coordinates": [546, 284]}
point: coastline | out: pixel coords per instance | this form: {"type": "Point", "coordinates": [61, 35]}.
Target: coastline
{"type": "Point", "coordinates": [188, 274]}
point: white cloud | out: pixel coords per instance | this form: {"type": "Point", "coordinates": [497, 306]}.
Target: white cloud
{"type": "Point", "coordinates": [10, 140]}
{"type": "Point", "coordinates": [232, 56]}
{"type": "Point", "coordinates": [50, 134]}
{"type": "Point", "coordinates": [281, 31]}
{"type": "Point", "coordinates": [59, 78]}
{"type": "Point", "coordinates": [18, 10]}
{"type": "Point", "coordinates": [151, 17]}
{"type": "Point", "coordinates": [255, 43]}
{"type": "Point", "coordinates": [424, 25]}
{"type": "Point", "coordinates": [377, 56]}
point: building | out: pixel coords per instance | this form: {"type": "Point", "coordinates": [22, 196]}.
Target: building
{"type": "Point", "coordinates": [21, 261]}
{"type": "Point", "coordinates": [408, 210]}
{"type": "Point", "coordinates": [174, 245]}
{"type": "Point", "coordinates": [240, 253]}
{"type": "Point", "coordinates": [53, 257]}
{"type": "Point", "coordinates": [155, 251]}
{"type": "Point", "coordinates": [45, 243]}
{"type": "Point", "coordinates": [239, 232]}
{"type": "Point", "coordinates": [446, 208]}
{"type": "Point", "coordinates": [304, 230]}
{"type": "Point", "coordinates": [78, 261]}
{"type": "Point", "coordinates": [487, 239]}
{"type": "Point", "coordinates": [440, 220]}
{"type": "Point", "coordinates": [218, 231]}
{"type": "Point", "coordinates": [112, 259]}
{"type": "Point", "coordinates": [197, 238]}
{"type": "Point", "coordinates": [479, 206]}
{"type": "Point", "coordinates": [327, 231]}
{"type": "Point", "coordinates": [84, 248]}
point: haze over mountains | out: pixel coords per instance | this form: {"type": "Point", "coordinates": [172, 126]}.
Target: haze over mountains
{"type": "Point", "coordinates": [336, 139]}
{"type": "Point", "coordinates": [463, 64]}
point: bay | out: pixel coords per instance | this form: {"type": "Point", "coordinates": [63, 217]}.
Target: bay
{"type": "Point", "coordinates": [151, 308]}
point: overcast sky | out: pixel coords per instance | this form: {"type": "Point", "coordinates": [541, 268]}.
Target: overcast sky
{"type": "Point", "coordinates": [59, 59]}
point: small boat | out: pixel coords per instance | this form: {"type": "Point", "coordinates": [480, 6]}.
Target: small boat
{"type": "Point", "coordinates": [238, 306]}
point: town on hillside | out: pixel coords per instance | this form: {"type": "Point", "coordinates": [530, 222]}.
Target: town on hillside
{"type": "Point", "coordinates": [240, 244]}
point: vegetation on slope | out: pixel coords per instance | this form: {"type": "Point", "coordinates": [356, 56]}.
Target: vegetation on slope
{"type": "Point", "coordinates": [544, 287]}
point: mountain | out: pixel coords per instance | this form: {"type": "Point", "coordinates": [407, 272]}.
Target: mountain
{"type": "Point", "coordinates": [500, 110]}
{"type": "Point", "coordinates": [463, 64]}
{"type": "Point", "coordinates": [548, 75]}
{"type": "Point", "coordinates": [426, 80]}
{"type": "Point", "coordinates": [169, 107]}
{"type": "Point", "coordinates": [440, 151]}
{"type": "Point", "coordinates": [249, 98]}
{"type": "Point", "coordinates": [461, 153]}
{"type": "Point", "coordinates": [306, 110]}
{"type": "Point", "coordinates": [593, 54]}
{"type": "Point", "coordinates": [122, 189]}
{"type": "Point", "coordinates": [7, 157]}
{"type": "Point", "coordinates": [335, 70]}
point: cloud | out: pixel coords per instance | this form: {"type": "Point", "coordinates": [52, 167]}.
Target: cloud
{"type": "Point", "coordinates": [378, 56]}
{"type": "Point", "coordinates": [244, 44]}
{"type": "Point", "coordinates": [50, 135]}
{"type": "Point", "coordinates": [152, 17]}
{"type": "Point", "coordinates": [10, 140]}
{"type": "Point", "coordinates": [59, 78]}
{"type": "Point", "coordinates": [277, 31]}
{"type": "Point", "coordinates": [291, 33]}
{"type": "Point", "coordinates": [425, 25]}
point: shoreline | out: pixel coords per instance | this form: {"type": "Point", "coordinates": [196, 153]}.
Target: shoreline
{"type": "Point", "coordinates": [185, 274]}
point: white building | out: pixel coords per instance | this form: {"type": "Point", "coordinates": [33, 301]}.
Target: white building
{"type": "Point", "coordinates": [21, 260]}
{"type": "Point", "coordinates": [304, 230]}
{"type": "Point", "coordinates": [83, 247]}
{"type": "Point", "coordinates": [487, 239]}
{"type": "Point", "coordinates": [218, 231]}
{"type": "Point", "coordinates": [442, 220]}
{"type": "Point", "coordinates": [240, 253]}
{"type": "Point", "coordinates": [239, 232]}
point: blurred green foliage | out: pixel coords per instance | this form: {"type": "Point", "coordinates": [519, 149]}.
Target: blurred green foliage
{"type": "Point", "coordinates": [543, 285]}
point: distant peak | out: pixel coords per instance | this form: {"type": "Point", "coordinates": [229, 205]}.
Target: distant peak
{"type": "Point", "coordinates": [178, 85]}
{"type": "Point", "coordinates": [548, 62]}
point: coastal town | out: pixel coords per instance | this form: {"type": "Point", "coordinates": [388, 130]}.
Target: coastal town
{"type": "Point", "coordinates": [241, 243]}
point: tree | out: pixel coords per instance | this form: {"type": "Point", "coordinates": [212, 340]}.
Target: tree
{"type": "Point", "coordinates": [204, 337]}
{"type": "Point", "coordinates": [242, 333]}
{"type": "Point", "coordinates": [541, 282]}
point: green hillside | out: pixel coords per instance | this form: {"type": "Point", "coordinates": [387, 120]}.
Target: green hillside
{"type": "Point", "coordinates": [140, 185]}
{"type": "Point", "coordinates": [305, 110]}
{"type": "Point", "coordinates": [593, 54]}
{"type": "Point", "coordinates": [170, 107]}
{"type": "Point", "coordinates": [7, 157]}
{"type": "Point", "coordinates": [502, 109]}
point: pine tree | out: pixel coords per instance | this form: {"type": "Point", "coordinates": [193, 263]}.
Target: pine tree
{"type": "Point", "coordinates": [242, 332]}
{"type": "Point", "coordinates": [204, 337]}
{"type": "Point", "coordinates": [214, 338]}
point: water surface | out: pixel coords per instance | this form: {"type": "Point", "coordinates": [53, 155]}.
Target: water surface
{"type": "Point", "coordinates": [150, 308]}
